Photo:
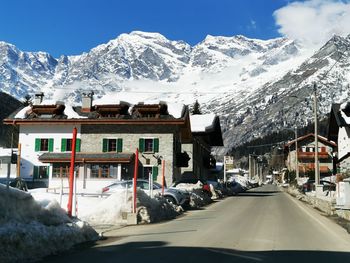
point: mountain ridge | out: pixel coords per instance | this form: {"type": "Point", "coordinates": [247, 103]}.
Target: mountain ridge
{"type": "Point", "coordinates": [250, 83]}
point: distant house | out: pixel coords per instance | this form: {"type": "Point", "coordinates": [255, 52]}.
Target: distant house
{"type": "Point", "coordinates": [339, 131]}
{"type": "Point", "coordinates": [306, 155]}
{"type": "Point", "coordinates": [206, 132]}
{"type": "Point", "coordinates": [7, 166]}
{"type": "Point", "coordinates": [107, 138]}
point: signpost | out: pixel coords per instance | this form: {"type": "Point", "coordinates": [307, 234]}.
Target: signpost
{"type": "Point", "coordinates": [228, 160]}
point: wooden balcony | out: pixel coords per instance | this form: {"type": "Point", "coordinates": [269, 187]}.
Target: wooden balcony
{"type": "Point", "coordinates": [311, 155]}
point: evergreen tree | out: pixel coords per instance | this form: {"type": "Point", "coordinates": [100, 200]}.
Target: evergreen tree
{"type": "Point", "coordinates": [196, 108]}
{"type": "Point", "coordinates": [27, 100]}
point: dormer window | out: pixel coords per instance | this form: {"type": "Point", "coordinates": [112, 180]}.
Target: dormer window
{"type": "Point", "coordinates": [149, 111]}
{"type": "Point", "coordinates": [112, 111]}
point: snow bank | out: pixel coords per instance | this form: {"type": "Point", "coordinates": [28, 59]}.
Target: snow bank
{"type": "Point", "coordinates": [30, 230]}
{"type": "Point", "coordinates": [198, 197]}
{"type": "Point", "coordinates": [110, 209]}
{"type": "Point", "coordinates": [150, 210]}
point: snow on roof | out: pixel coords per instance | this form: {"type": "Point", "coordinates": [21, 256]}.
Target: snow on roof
{"type": "Point", "coordinates": [202, 122]}
{"type": "Point", "coordinates": [71, 114]}
{"type": "Point", "coordinates": [22, 114]}
{"type": "Point", "coordinates": [342, 109]}
{"type": "Point", "coordinates": [175, 109]}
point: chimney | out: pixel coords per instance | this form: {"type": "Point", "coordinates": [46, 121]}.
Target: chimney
{"type": "Point", "coordinates": [38, 98]}
{"type": "Point", "coordinates": [87, 101]}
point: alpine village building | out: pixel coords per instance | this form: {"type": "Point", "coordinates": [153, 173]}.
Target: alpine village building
{"type": "Point", "coordinates": [107, 138]}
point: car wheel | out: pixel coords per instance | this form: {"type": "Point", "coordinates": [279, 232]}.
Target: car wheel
{"type": "Point", "coordinates": [171, 200]}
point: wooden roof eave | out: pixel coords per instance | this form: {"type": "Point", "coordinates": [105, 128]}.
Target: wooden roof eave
{"type": "Point", "coordinates": [95, 121]}
{"type": "Point", "coordinates": [88, 160]}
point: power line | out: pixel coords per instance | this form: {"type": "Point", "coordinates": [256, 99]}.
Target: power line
{"type": "Point", "coordinates": [263, 145]}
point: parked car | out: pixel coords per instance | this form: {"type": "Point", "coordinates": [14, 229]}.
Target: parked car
{"type": "Point", "coordinates": [174, 196]}
{"type": "Point", "coordinates": [205, 185]}
{"type": "Point", "coordinates": [310, 186]}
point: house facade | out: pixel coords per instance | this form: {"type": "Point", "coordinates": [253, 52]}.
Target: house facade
{"type": "Point", "coordinates": [206, 132]}
{"type": "Point", "coordinates": [107, 138]}
{"type": "Point", "coordinates": [306, 155]}
{"type": "Point", "coordinates": [7, 166]}
{"type": "Point", "coordinates": [339, 131]}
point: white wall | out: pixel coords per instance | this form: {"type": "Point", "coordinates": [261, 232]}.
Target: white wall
{"type": "Point", "coordinates": [343, 141]}
{"type": "Point", "coordinates": [27, 136]}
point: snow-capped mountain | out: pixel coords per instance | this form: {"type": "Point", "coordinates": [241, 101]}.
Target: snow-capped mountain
{"type": "Point", "coordinates": [250, 83]}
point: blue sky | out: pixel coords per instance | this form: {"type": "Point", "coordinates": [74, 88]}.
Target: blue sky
{"type": "Point", "coordinates": [71, 27]}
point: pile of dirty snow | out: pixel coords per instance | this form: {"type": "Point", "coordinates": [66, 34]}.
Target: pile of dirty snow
{"type": "Point", "coordinates": [111, 209]}
{"type": "Point", "coordinates": [198, 197]}
{"type": "Point", "coordinates": [30, 230]}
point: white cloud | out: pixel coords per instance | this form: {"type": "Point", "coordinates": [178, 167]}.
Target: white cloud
{"type": "Point", "coordinates": [313, 22]}
{"type": "Point", "coordinates": [252, 24]}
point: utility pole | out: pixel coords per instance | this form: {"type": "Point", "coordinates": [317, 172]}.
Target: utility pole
{"type": "Point", "coordinates": [296, 154]}
{"type": "Point", "coordinates": [250, 167]}
{"type": "Point", "coordinates": [317, 169]}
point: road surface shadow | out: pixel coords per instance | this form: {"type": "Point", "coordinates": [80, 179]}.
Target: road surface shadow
{"type": "Point", "coordinates": [251, 193]}
{"type": "Point", "coordinates": [160, 252]}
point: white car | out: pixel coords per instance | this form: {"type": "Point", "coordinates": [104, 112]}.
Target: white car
{"type": "Point", "coordinates": [174, 196]}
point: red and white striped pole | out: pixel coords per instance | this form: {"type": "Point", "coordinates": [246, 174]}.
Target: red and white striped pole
{"type": "Point", "coordinates": [136, 167]}
{"type": "Point", "coordinates": [71, 173]}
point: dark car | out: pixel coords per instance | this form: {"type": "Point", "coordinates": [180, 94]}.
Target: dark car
{"type": "Point", "coordinates": [310, 186]}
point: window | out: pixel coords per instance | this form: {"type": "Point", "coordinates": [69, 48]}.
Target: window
{"type": "Point", "coordinates": [104, 171]}
{"type": "Point", "coordinates": [44, 145]}
{"type": "Point", "coordinates": [150, 170]}
{"type": "Point", "coordinates": [66, 145]}
{"type": "Point", "coordinates": [310, 149]}
{"type": "Point", "coordinates": [149, 145]}
{"type": "Point", "coordinates": [60, 170]}
{"type": "Point", "coordinates": [112, 145]}
{"type": "Point", "coordinates": [41, 172]}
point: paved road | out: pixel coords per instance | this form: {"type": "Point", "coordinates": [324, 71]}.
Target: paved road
{"type": "Point", "coordinates": [261, 225]}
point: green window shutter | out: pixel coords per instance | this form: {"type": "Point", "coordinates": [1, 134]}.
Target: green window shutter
{"type": "Point", "coordinates": [37, 144]}
{"type": "Point", "coordinates": [155, 173]}
{"type": "Point", "coordinates": [47, 171]}
{"type": "Point", "coordinates": [50, 145]}
{"type": "Point", "coordinates": [119, 145]}
{"type": "Point", "coordinates": [156, 145]}
{"type": "Point", "coordinates": [63, 145]}
{"type": "Point", "coordinates": [77, 145]}
{"type": "Point", "coordinates": [142, 145]}
{"type": "Point", "coordinates": [104, 145]}
{"type": "Point", "coordinates": [35, 172]}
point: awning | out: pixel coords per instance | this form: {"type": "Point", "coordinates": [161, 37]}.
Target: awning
{"type": "Point", "coordinates": [110, 157]}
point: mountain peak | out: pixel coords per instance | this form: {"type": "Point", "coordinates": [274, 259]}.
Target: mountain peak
{"type": "Point", "coordinates": [148, 35]}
